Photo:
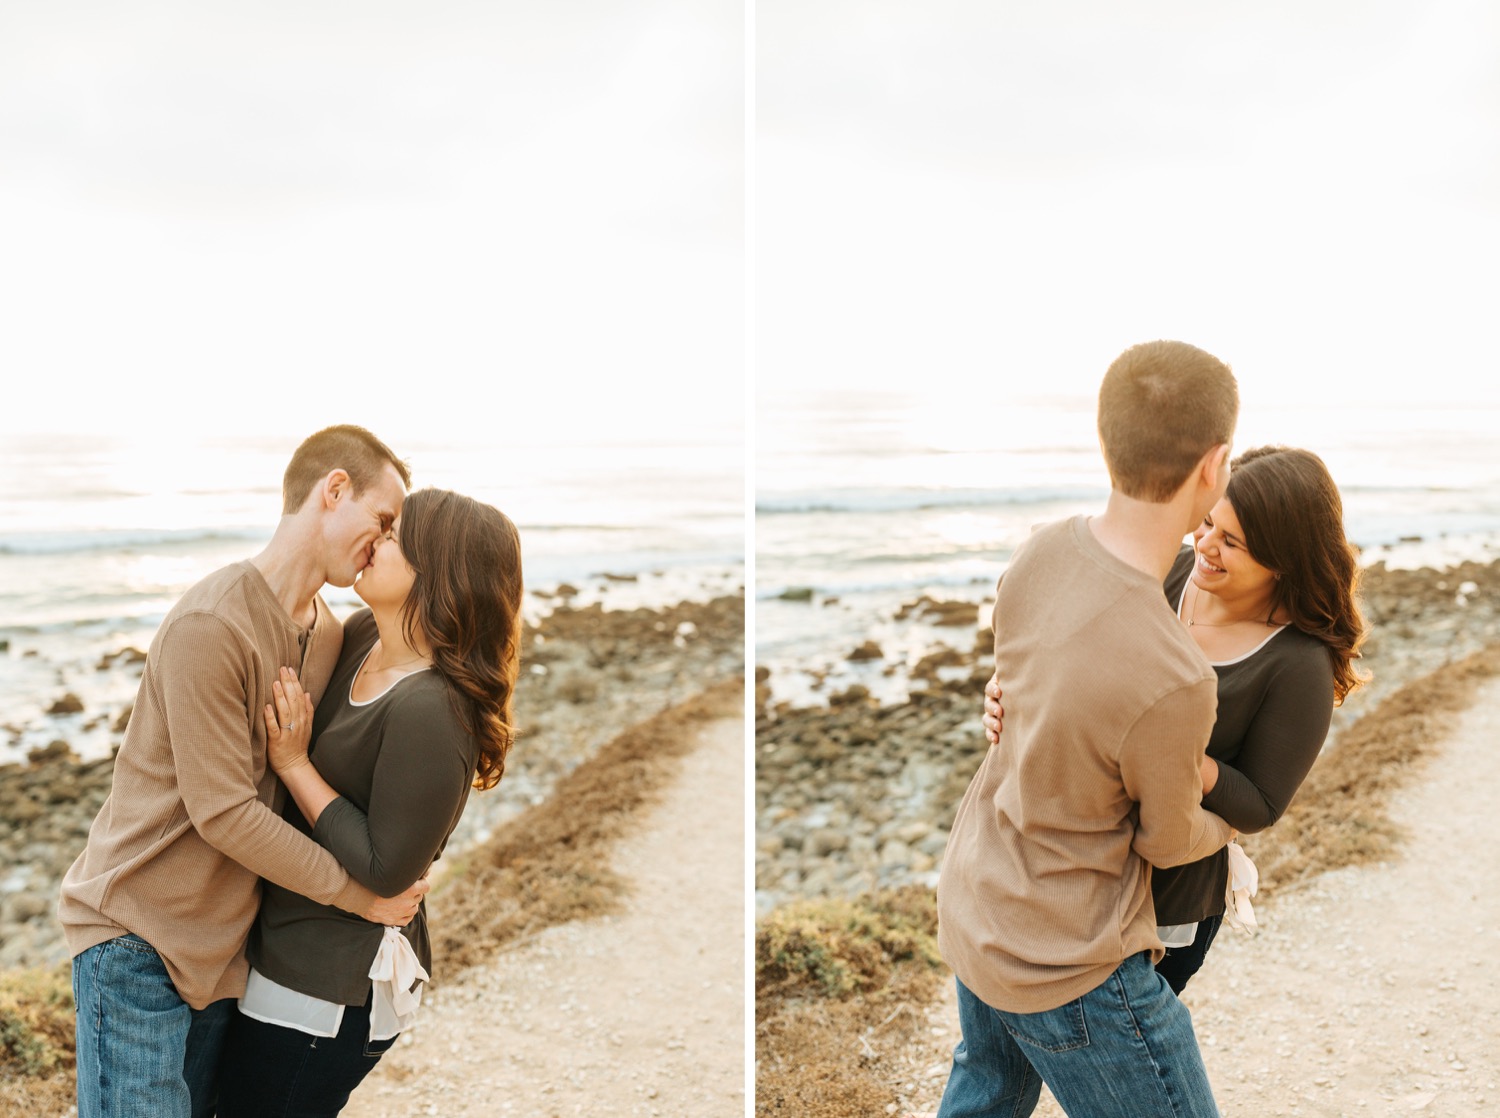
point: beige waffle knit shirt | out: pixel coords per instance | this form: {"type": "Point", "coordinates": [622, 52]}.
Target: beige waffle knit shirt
{"type": "Point", "coordinates": [191, 823]}
{"type": "Point", "coordinates": [1046, 884]}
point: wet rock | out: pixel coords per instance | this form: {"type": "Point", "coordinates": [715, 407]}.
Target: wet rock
{"type": "Point", "coordinates": [936, 612]}
{"type": "Point", "coordinates": [762, 691]}
{"type": "Point", "coordinates": [867, 651]}
{"type": "Point", "coordinates": [68, 704]}
{"type": "Point", "coordinates": [796, 594]}
{"type": "Point", "coordinates": [127, 656]}
{"type": "Point", "coordinates": [854, 693]}
{"type": "Point", "coordinates": [53, 751]}
{"type": "Point", "coordinates": [122, 719]}
{"type": "Point", "coordinates": [927, 667]}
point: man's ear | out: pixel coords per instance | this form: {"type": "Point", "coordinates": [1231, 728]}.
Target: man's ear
{"type": "Point", "coordinates": [336, 487]}
{"type": "Point", "coordinates": [1214, 461]}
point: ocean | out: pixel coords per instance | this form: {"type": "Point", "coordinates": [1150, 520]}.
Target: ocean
{"type": "Point", "coordinates": [870, 501]}
{"type": "Point", "coordinates": [100, 534]}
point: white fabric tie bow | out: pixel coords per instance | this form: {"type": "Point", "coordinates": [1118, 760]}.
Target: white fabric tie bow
{"type": "Point", "coordinates": [1244, 880]}
{"type": "Point", "coordinates": [395, 972]}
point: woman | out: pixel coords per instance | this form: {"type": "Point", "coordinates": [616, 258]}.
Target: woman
{"type": "Point", "coordinates": [417, 712]}
{"type": "Point", "coordinates": [1268, 593]}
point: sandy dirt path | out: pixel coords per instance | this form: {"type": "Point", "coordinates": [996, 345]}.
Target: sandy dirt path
{"type": "Point", "coordinates": [1372, 991]}
{"type": "Point", "coordinates": [641, 1013]}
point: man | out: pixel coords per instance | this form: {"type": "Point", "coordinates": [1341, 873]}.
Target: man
{"type": "Point", "coordinates": [1044, 901]}
{"type": "Point", "coordinates": [157, 907]}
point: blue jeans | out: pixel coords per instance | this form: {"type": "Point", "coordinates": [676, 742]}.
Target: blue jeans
{"type": "Point", "coordinates": [271, 1071]}
{"type": "Point", "coordinates": [143, 1052]}
{"type": "Point", "coordinates": [1125, 1049]}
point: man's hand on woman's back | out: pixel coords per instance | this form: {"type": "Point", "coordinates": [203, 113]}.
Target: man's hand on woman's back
{"type": "Point", "coordinates": [401, 910]}
{"type": "Point", "coordinates": [994, 713]}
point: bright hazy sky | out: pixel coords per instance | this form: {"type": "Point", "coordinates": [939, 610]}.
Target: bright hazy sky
{"type": "Point", "coordinates": [978, 198]}
{"type": "Point", "coordinates": [271, 216]}
{"type": "Point", "coordinates": [287, 214]}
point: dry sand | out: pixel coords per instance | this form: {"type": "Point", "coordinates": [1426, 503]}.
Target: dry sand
{"type": "Point", "coordinates": [641, 1013]}
{"type": "Point", "coordinates": [1371, 991]}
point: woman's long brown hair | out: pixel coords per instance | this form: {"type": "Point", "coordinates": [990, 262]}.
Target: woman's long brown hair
{"type": "Point", "coordinates": [466, 601]}
{"type": "Point", "coordinates": [1293, 519]}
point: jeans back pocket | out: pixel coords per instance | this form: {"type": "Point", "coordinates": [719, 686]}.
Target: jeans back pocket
{"type": "Point", "coordinates": [1054, 1030]}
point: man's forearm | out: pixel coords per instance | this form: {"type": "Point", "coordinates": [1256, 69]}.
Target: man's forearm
{"type": "Point", "coordinates": [260, 840]}
{"type": "Point", "coordinates": [1202, 834]}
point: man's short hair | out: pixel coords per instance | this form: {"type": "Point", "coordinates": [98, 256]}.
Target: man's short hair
{"type": "Point", "coordinates": [344, 447]}
{"type": "Point", "coordinates": [1162, 406]}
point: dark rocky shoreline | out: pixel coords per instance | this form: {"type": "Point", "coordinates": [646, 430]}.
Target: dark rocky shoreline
{"type": "Point", "coordinates": [587, 673]}
{"type": "Point", "coordinates": [856, 795]}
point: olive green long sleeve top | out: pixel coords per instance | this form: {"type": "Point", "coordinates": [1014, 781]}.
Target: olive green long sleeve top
{"type": "Point", "coordinates": [1275, 706]}
{"type": "Point", "coordinates": [402, 764]}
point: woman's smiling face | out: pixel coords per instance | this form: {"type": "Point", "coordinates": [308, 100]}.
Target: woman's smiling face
{"type": "Point", "coordinates": [1224, 564]}
{"type": "Point", "coordinates": [387, 578]}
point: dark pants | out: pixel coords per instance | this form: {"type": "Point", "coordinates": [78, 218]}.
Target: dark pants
{"type": "Point", "coordinates": [1181, 963]}
{"type": "Point", "coordinates": [269, 1071]}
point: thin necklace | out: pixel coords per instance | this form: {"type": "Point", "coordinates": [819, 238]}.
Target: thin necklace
{"type": "Point", "coordinates": [392, 667]}
{"type": "Point", "coordinates": [1193, 616]}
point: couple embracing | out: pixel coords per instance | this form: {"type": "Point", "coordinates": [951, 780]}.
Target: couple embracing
{"type": "Point", "coordinates": [1159, 698]}
{"type": "Point", "coordinates": [247, 920]}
